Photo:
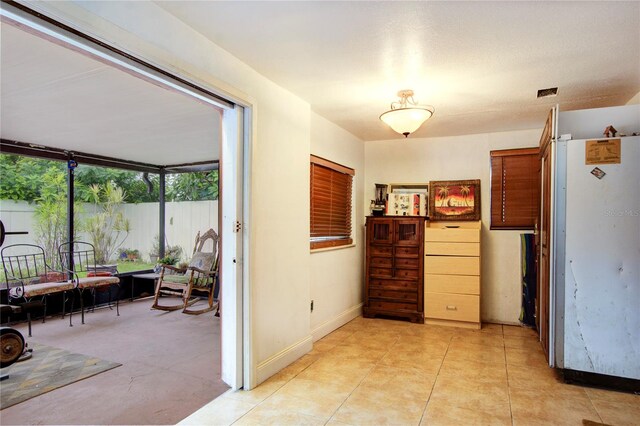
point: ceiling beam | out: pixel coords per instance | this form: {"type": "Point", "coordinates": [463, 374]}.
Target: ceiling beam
{"type": "Point", "coordinates": [201, 166]}
{"type": "Point", "coordinates": [40, 151]}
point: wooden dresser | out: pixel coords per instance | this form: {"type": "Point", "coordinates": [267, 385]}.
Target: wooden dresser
{"type": "Point", "coordinates": [394, 267]}
{"type": "Point", "coordinates": [452, 273]}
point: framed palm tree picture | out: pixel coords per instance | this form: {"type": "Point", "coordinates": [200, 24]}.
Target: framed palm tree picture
{"type": "Point", "coordinates": [454, 200]}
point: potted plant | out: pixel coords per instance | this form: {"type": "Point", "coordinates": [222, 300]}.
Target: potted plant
{"type": "Point", "coordinates": [167, 260]}
{"type": "Point", "coordinates": [122, 254]}
{"type": "Point", "coordinates": [169, 251]}
{"type": "Point", "coordinates": [133, 255]}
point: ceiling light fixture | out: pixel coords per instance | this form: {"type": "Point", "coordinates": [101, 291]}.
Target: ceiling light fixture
{"type": "Point", "coordinates": [405, 115]}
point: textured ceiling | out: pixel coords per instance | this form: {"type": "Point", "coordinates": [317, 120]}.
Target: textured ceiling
{"type": "Point", "coordinates": [479, 64]}
{"type": "Point", "coordinates": [57, 97]}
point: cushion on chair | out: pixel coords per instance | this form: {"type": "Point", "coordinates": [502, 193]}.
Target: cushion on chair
{"type": "Point", "coordinates": [178, 279]}
{"type": "Point", "coordinates": [204, 261]}
{"type": "Point", "coordinates": [97, 281]}
{"type": "Point", "coordinates": [41, 289]}
{"type": "Point", "coordinates": [201, 260]}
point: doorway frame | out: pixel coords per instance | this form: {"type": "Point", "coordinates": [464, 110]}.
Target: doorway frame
{"type": "Point", "coordinates": [237, 129]}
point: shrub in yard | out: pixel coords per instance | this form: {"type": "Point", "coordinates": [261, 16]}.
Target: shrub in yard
{"type": "Point", "coordinates": [51, 214]}
{"type": "Point", "coordinates": [107, 228]}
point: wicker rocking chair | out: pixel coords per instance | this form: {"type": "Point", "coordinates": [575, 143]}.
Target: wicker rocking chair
{"type": "Point", "coordinates": [199, 278]}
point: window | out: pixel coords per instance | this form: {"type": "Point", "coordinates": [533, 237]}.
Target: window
{"type": "Point", "coordinates": [331, 186]}
{"type": "Point", "coordinates": [515, 188]}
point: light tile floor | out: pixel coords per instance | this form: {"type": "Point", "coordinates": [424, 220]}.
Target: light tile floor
{"type": "Point", "coordinates": [376, 372]}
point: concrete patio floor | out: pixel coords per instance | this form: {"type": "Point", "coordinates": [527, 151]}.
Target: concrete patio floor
{"type": "Point", "coordinates": [170, 367]}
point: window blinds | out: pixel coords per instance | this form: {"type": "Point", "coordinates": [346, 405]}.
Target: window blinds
{"type": "Point", "coordinates": [331, 186]}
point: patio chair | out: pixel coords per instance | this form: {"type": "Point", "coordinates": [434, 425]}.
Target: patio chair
{"type": "Point", "coordinates": [30, 280]}
{"type": "Point", "coordinates": [199, 278]}
{"type": "Point", "coordinates": [78, 258]}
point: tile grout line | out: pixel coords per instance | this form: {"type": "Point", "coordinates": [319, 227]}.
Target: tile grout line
{"type": "Point", "coordinates": [272, 393]}
{"type": "Point", "coordinates": [435, 380]}
{"type": "Point", "coordinates": [361, 380]}
{"type": "Point", "coordinates": [594, 406]}
{"type": "Point", "coordinates": [342, 403]}
{"type": "Point", "coordinates": [506, 366]}
{"type": "Point", "coordinates": [300, 372]}
{"type": "Point", "coordinates": [336, 410]}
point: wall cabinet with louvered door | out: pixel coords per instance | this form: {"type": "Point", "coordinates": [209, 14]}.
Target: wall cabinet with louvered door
{"type": "Point", "coordinates": [394, 268]}
{"type": "Point", "coordinates": [452, 273]}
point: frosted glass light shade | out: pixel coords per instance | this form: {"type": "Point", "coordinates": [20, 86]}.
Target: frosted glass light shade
{"type": "Point", "coordinates": [406, 120]}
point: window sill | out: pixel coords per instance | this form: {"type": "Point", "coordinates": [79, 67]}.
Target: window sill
{"type": "Point", "coordinates": [320, 250]}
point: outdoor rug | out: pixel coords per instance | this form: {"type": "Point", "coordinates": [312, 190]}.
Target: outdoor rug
{"type": "Point", "coordinates": [48, 369]}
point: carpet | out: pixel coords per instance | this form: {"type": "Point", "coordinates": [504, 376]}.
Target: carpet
{"type": "Point", "coordinates": [49, 368]}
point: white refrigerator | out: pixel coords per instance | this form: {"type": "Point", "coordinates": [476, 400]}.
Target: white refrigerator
{"type": "Point", "coordinates": [596, 288]}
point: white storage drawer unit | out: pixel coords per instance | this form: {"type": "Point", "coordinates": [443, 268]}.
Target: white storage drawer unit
{"type": "Point", "coordinates": [452, 273]}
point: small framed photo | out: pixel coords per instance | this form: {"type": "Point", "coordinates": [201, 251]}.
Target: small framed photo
{"type": "Point", "coordinates": [454, 200]}
{"type": "Point", "coordinates": [408, 199]}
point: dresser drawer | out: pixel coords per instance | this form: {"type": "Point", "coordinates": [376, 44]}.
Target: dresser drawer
{"type": "Point", "coordinates": [397, 296]}
{"type": "Point", "coordinates": [452, 235]}
{"type": "Point", "coordinates": [407, 262]}
{"type": "Point", "coordinates": [454, 265]}
{"type": "Point", "coordinates": [406, 273]}
{"type": "Point", "coordinates": [379, 250]}
{"type": "Point", "coordinates": [381, 272]}
{"type": "Point", "coordinates": [378, 284]}
{"type": "Point", "coordinates": [452, 249]}
{"type": "Point", "coordinates": [456, 307]}
{"type": "Point", "coordinates": [460, 284]}
{"type": "Point", "coordinates": [392, 306]}
{"type": "Point", "coordinates": [381, 262]}
{"type": "Point", "coordinates": [407, 251]}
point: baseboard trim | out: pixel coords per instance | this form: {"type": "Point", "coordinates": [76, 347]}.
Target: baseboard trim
{"type": "Point", "coordinates": [277, 362]}
{"type": "Point", "coordinates": [336, 322]}
{"type": "Point", "coordinates": [502, 322]}
{"type": "Point", "coordinates": [585, 378]}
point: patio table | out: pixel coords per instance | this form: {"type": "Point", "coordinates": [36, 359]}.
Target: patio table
{"type": "Point", "coordinates": [149, 276]}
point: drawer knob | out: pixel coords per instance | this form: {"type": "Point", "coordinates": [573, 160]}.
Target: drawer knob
{"type": "Point", "coordinates": [452, 308]}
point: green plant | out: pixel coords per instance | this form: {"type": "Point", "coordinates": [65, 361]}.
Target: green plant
{"type": "Point", "coordinates": [131, 182]}
{"type": "Point", "coordinates": [107, 228]}
{"type": "Point", "coordinates": [194, 186]}
{"type": "Point", "coordinates": [23, 177]}
{"type": "Point", "coordinates": [169, 251]}
{"type": "Point", "coordinates": [169, 260]}
{"type": "Point", "coordinates": [21, 181]}
{"type": "Point", "coordinates": [51, 213]}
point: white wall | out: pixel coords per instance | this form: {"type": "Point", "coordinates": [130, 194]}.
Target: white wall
{"type": "Point", "coordinates": [279, 211]}
{"type": "Point", "coordinates": [634, 100]}
{"type": "Point", "coordinates": [452, 158]}
{"type": "Point", "coordinates": [337, 274]}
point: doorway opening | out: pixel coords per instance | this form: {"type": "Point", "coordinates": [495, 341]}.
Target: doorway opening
{"type": "Point", "coordinates": [197, 132]}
